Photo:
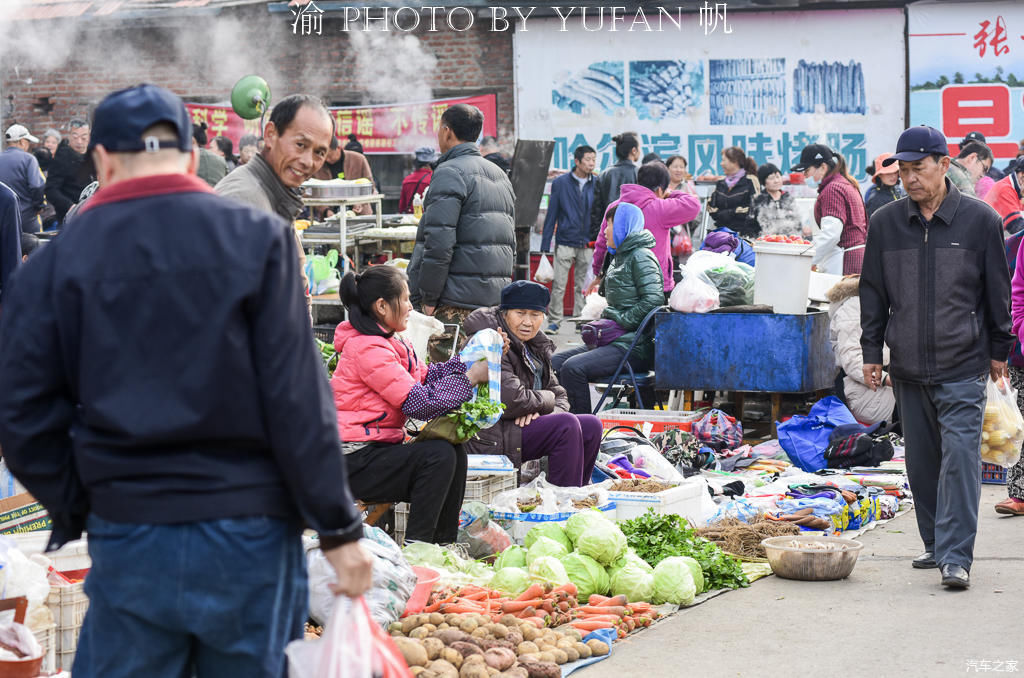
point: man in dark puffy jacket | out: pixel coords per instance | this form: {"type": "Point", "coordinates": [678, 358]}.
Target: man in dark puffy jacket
{"type": "Point", "coordinates": [465, 245]}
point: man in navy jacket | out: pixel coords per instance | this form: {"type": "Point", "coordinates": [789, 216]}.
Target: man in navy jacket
{"type": "Point", "coordinates": [159, 386]}
{"type": "Point", "coordinates": [572, 196]}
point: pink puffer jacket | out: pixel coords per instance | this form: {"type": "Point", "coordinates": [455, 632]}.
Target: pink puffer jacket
{"type": "Point", "coordinates": [372, 381]}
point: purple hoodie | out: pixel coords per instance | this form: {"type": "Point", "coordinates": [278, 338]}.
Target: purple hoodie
{"type": "Point", "coordinates": [660, 216]}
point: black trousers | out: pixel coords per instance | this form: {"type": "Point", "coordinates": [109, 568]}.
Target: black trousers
{"type": "Point", "coordinates": [430, 475]}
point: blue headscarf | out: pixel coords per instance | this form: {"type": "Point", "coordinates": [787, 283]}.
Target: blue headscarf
{"type": "Point", "coordinates": [628, 220]}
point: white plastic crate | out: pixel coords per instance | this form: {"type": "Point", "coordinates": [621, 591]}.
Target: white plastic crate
{"type": "Point", "coordinates": [486, 488]}
{"type": "Point", "coordinates": [68, 605]}
{"type": "Point", "coordinates": [72, 556]}
{"type": "Point", "coordinates": [518, 524]}
{"type": "Point", "coordinates": [489, 465]}
{"type": "Point", "coordinates": [683, 500]}
{"type": "Point", "coordinates": [47, 637]}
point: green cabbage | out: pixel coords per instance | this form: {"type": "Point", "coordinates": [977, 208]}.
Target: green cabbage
{"type": "Point", "coordinates": [548, 570]}
{"type": "Point", "coordinates": [629, 557]}
{"type": "Point", "coordinates": [425, 555]}
{"type": "Point", "coordinates": [511, 581]}
{"type": "Point", "coordinates": [551, 531]}
{"type": "Point", "coordinates": [603, 541]}
{"type": "Point", "coordinates": [587, 574]}
{"type": "Point", "coordinates": [696, 571]}
{"type": "Point", "coordinates": [579, 522]}
{"type": "Point", "coordinates": [673, 582]}
{"type": "Point", "coordinates": [542, 546]}
{"type": "Point", "coordinates": [634, 582]}
{"type": "Point", "coordinates": [513, 556]}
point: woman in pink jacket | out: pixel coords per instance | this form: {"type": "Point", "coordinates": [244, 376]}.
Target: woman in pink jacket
{"type": "Point", "coordinates": [378, 384]}
{"type": "Point", "coordinates": [663, 210]}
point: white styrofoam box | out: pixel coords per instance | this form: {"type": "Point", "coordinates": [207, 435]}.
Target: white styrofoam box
{"type": "Point", "coordinates": [518, 524]}
{"type": "Point", "coordinates": [72, 556]}
{"type": "Point", "coordinates": [488, 465]}
{"type": "Point", "coordinates": [683, 500]}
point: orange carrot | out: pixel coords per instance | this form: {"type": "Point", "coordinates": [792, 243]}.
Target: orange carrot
{"type": "Point", "coordinates": [618, 600]}
{"type": "Point", "coordinates": [600, 617]}
{"type": "Point", "coordinates": [519, 605]}
{"type": "Point", "coordinates": [539, 622]}
{"type": "Point", "coordinates": [460, 608]}
{"type": "Point", "coordinates": [533, 592]}
{"type": "Point", "coordinates": [639, 607]}
{"type": "Point", "coordinates": [596, 599]}
{"type": "Point", "coordinates": [604, 609]}
{"type": "Point", "coordinates": [547, 607]}
{"type": "Point", "coordinates": [587, 625]}
{"type": "Point", "coordinates": [476, 595]}
{"type": "Point", "coordinates": [434, 607]}
{"type": "Point", "coordinates": [569, 588]}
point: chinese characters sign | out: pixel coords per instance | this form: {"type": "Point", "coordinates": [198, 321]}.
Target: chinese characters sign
{"type": "Point", "coordinates": [398, 128]}
{"type": "Point", "coordinates": [967, 71]}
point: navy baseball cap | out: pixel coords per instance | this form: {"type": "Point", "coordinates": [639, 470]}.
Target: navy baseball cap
{"type": "Point", "coordinates": [974, 136]}
{"type": "Point", "coordinates": [122, 117]}
{"type": "Point", "coordinates": [812, 156]}
{"type": "Point", "coordinates": [916, 143]}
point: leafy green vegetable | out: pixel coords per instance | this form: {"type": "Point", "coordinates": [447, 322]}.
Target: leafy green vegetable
{"type": "Point", "coordinates": [511, 581]}
{"type": "Point", "coordinates": [629, 557]}
{"type": "Point", "coordinates": [549, 570]}
{"type": "Point", "coordinates": [329, 356]}
{"type": "Point", "coordinates": [579, 522]}
{"type": "Point", "coordinates": [673, 582]}
{"type": "Point", "coordinates": [655, 537]}
{"type": "Point", "coordinates": [603, 541]}
{"type": "Point", "coordinates": [543, 546]}
{"type": "Point", "coordinates": [695, 570]}
{"type": "Point", "coordinates": [551, 530]}
{"type": "Point", "coordinates": [587, 574]}
{"type": "Point", "coordinates": [634, 582]}
{"type": "Point", "coordinates": [513, 556]}
{"type": "Point", "coordinates": [468, 417]}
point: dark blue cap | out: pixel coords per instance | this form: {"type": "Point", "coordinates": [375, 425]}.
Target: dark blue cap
{"type": "Point", "coordinates": [916, 143]}
{"type": "Point", "coordinates": [525, 295]}
{"type": "Point", "coordinates": [123, 116]}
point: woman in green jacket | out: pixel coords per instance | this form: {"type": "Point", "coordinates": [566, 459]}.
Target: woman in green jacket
{"type": "Point", "coordinates": [633, 287]}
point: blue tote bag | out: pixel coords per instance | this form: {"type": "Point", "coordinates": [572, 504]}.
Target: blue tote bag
{"type": "Point", "coordinates": [805, 438]}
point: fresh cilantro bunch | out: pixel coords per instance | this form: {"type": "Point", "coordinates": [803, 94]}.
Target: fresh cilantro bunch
{"type": "Point", "coordinates": [468, 416]}
{"type": "Point", "coordinates": [655, 537]}
{"type": "Point", "coordinates": [329, 356]}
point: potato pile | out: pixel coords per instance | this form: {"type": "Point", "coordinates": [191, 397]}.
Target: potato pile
{"type": "Point", "coordinates": [472, 646]}
{"type": "Point", "coordinates": [1001, 433]}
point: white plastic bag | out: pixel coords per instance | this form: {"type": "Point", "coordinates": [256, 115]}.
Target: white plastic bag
{"type": "Point", "coordinates": [545, 272]}
{"type": "Point", "coordinates": [594, 306]}
{"type": "Point", "coordinates": [694, 294]}
{"type": "Point", "coordinates": [487, 345]}
{"type": "Point", "coordinates": [351, 647]}
{"type": "Point", "coordinates": [650, 460]}
{"type": "Point", "coordinates": [1003, 427]}
{"type": "Point", "coordinates": [419, 331]}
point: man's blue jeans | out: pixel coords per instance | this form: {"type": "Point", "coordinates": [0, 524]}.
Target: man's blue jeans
{"type": "Point", "coordinates": [211, 599]}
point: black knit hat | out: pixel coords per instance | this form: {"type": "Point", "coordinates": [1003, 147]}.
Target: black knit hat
{"type": "Point", "coordinates": [525, 295]}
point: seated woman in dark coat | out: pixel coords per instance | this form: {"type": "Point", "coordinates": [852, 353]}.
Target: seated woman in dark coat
{"type": "Point", "coordinates": [536, 422]}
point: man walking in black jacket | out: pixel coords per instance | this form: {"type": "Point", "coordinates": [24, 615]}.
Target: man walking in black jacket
{"type": "Point", "coordinates": [935, 287]}
{"type": "Point", "coordinates": [161, 387]}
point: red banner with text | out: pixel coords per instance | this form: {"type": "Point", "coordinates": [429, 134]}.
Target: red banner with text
{"type": "Point", "coordinates": [390, 128]}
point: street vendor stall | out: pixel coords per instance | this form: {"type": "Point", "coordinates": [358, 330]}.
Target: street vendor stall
{"type": "Point", "coordinates": [743, 352]}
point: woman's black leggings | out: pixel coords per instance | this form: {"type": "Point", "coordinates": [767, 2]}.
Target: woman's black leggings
{"type": "Point", "coordinates": [430, 475]}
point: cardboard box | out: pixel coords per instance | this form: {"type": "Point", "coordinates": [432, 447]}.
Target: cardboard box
{"type": "Point", "coordinates": [22, 513]}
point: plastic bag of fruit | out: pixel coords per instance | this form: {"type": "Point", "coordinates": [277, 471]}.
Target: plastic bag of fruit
{"type": "Point", "coordinates": [1003, 429]}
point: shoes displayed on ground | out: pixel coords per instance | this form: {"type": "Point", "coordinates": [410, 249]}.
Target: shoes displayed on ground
{"type": "Point", "coordinates": [1011, 507]}
{"type": "Point", "coordinates": [925, 561]}
{"type": "Point", "coordinates": [552, 328]}
{"type": "Point", "coordinates": [955, 577]}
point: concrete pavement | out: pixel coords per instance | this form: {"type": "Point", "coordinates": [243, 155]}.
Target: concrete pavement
{"type": "Point", "coordinates": [885, 619]}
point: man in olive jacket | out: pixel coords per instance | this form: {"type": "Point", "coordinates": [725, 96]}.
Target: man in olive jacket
{"type": "Point", "coordinates": [465, 245]}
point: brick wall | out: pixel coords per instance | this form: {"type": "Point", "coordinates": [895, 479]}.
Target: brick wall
{"type": "Point", "coordinates": [200, 58]}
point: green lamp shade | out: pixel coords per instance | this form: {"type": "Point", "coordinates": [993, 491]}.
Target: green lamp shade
{"type": "Point", "coordinates": [250, 97]}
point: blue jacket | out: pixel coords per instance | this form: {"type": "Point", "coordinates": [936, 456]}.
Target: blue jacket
{"type": "Point", "coordinates": [10, 233]}
{"type": "Point", "coordinates": [569, 207]}
{"type": "Point", "coordinates": [158, 367]}
{"type": "Point", "coordinates": [20, 171]}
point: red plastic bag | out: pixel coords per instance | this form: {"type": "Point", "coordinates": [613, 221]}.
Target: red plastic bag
{"type": "Point", "coordinates": [681, 243]}
{"type": "Point", "coordinates": [352, 646]}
